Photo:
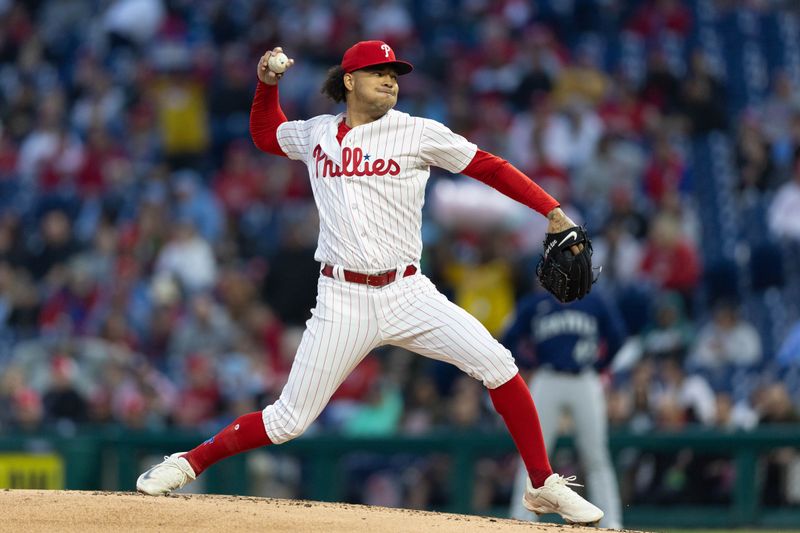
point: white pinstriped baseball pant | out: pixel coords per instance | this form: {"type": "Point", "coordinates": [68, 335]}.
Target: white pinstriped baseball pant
{"type": "Point", "coordinates": [351, 319]}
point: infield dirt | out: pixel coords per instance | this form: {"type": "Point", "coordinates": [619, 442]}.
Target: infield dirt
{"type": "Point", "coordinates": [23, 511]}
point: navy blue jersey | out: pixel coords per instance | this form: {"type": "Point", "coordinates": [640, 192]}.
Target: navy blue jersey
{"type": "Point", "coordinates": [567, 337]}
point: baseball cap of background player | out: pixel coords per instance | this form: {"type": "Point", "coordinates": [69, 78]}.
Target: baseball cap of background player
{"type": "Point", "coordinates": [365, 54]}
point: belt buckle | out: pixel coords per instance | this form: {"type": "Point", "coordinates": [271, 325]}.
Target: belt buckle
{"type": "Point", "coordinates": [378, 280]}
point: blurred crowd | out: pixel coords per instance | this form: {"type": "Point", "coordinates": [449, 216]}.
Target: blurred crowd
{"type": "Point", "coordinates": [156, 270]}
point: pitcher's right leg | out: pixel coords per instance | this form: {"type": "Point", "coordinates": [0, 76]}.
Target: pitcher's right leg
{"type": "Point", "coordinates": [179, 469]}
{"type": "Point", "coordinates": [340, 333]}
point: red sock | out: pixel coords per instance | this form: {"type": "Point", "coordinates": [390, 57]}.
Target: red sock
{"type": "Point", "coordinates": [513, 402]}
{"type": "Point", "coordinates": [244, 433]}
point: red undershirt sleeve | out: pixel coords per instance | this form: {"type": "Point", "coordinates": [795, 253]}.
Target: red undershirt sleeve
{"type": "Point", "coordinates": [265, 117]}
{"type": "Point", "coordinates": [502, 176]}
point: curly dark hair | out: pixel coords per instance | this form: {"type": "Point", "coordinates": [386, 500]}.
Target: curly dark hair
{"type": "Point", "coordinates": [334, 87]}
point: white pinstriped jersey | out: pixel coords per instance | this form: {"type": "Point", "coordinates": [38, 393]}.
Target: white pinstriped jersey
{"type": "Point", "coordinates": [370, 189]}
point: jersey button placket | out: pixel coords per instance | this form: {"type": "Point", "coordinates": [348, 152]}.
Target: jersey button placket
{"type": "Point", "coordinates": [356, 220]}
{"type": "Point", "coordinates": [351, 197]}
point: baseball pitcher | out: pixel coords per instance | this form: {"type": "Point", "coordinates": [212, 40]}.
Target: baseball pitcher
{"type": "Point", "coordinates": [368, 168]}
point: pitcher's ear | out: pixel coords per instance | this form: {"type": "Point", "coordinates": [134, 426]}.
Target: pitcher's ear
{"type": "Point", "coordinates": [348, 81]}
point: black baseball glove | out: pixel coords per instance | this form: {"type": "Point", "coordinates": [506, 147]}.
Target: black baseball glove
{"type": "Point", "coordinates": [567, 276]}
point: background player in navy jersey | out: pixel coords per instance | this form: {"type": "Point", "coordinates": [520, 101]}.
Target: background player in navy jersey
{"type": "Point", "coordinates": [571, 344]}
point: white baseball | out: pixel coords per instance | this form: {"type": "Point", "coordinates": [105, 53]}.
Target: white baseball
{"type": "Point", "coordinates": [277, 63]}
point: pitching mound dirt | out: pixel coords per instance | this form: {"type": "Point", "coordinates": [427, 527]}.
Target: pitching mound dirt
{"type": "Point", "coordinates": [89, 512]}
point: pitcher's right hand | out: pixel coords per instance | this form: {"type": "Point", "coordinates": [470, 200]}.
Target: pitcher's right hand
{"type": "Point", "coordinates": [263, 71]}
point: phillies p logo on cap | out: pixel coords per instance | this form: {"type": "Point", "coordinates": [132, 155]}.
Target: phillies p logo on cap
{"type": "Point", "coordinates": [365, 54]}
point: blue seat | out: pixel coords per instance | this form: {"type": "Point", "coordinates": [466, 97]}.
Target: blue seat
{"type": "Point", "coordinates": [766, 266]}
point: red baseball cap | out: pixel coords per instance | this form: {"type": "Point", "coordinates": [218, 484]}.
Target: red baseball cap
{"type": "Point", "coordinates": [365, 54]}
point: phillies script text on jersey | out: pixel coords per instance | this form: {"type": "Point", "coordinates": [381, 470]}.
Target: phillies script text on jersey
{"type": "Point", "coordinates": [351, 163]}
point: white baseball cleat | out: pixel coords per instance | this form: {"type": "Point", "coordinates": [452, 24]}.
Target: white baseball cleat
{"type": "Point", "coordinates": [556, 497]}
{"type": "Point", "coordinates": [173, 473]}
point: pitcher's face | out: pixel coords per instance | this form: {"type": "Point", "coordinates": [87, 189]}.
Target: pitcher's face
{"type": "Point", "coordinates": [373, 88]}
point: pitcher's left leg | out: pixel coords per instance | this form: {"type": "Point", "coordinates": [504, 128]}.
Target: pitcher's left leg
{"type": "Point", "coordinates": [545, 388]}
{"type": "Point", "coordinates": [419, 318]}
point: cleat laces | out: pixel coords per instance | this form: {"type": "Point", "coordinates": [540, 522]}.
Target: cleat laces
{"type": "Point", "coordinates": [561, 480]}
{"type": "Point", "coordinates": [562, 485]}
